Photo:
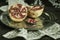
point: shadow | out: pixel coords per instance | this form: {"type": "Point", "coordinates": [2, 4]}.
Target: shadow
{"type": "Point", "coordinates": [46, 38]}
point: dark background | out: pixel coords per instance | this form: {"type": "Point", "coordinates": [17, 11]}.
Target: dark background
{"type": "Point", "coordinates": [48, 7]}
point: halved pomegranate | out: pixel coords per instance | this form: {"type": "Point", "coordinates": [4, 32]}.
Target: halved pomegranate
{"type": "Point", "coordinates": [18, 12]}
{"type": "Point", "coordinates": [35, 11]}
